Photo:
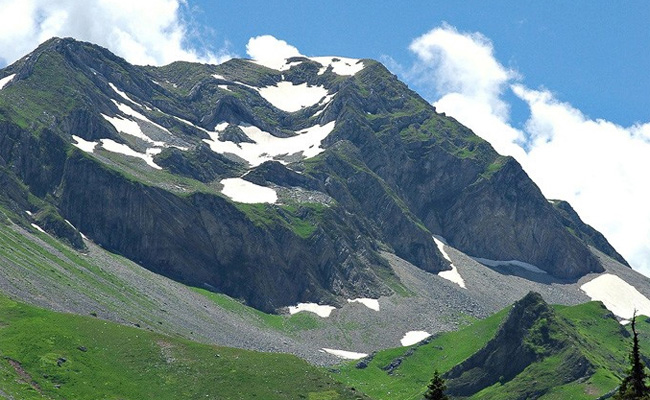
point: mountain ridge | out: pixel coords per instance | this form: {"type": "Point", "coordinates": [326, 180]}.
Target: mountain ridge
{"type": "Point", "coordinates": [396, 171]}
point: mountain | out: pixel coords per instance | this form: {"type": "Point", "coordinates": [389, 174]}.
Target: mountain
{"type": "Point", "coordinates": [124, 154]}
{"type": "Point", "coordinates": [316, 206]}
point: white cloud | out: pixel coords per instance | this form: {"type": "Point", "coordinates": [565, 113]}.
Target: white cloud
{"type": "Point", "coordinates": [269, 51]}
{"type": "Point", "coordinates": [468, 82]}
{"type": "Point", "coordinates": [601, 168]}
{"type": "Point", "coordinates": [143, 31]}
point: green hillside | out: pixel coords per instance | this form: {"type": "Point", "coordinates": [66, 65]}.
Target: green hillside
{"type": "Point", "coordinates": [48, 355]}
{"type": "Point", "coordinates": [579, 352]}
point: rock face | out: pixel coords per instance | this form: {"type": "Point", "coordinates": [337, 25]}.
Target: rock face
{"type": "Point", "coordinates": [571, 220]}
{"type": "Point", "coordinates": [391, 173]}
{"type": "Point", "coordinates": [205, 240]}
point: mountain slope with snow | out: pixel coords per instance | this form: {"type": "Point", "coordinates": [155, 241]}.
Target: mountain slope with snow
{"type": "Point", "coordinates": [306, 181]}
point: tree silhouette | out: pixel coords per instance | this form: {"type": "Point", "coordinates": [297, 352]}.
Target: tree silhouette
{"type": "Point", "coordinates": [634, 386]}
{"type": "Point", "coordinates": [436, 388]}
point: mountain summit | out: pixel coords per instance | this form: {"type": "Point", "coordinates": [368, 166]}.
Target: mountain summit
{"type": "Point", "coordinates": [272, 185]}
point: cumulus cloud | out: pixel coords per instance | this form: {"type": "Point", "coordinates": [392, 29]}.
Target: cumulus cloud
{"type": "Point", "coordinates": [143, 31]}
{"type": "Point", "coordinates": [601, 168]}
{"type": "Point", "coordinates": [468, 82]}
{"type": "Point", "coordinates": [269, 51]}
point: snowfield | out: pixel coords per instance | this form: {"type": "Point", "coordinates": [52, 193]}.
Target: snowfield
{"type": "Point", "coordinates": [267, 147]}
{"type": "Point", "coordinates": [113, 146]}
{"type": "Point", "coordinates": [347, 355]}
{"type": "Point", "coordinates": [291, 98]}
{"type": "Point", "coordinates": [372, 304]}
{"type": "Point", "coordinates": [453, 275]}
{"type": "Point", "coordinates": [618, 296]}
{"type": "Point", "coordinates": [83, 144]}
{"type": "Point", "coordinates": [243, 191]}
{"type": "Point", "coordinates": [340, 65]}
{"type": "Point", "coordinates": [121, 93]}
{"type": "Point", "coordinates": [413, 337]}
{"type": "Point", "coordinates": [4, 81]}
{"type": "Point", "coordinates": [321, 311]}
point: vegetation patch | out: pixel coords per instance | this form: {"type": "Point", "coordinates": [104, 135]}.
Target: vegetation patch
{"type": "Point", "coordinates": [284, 323]}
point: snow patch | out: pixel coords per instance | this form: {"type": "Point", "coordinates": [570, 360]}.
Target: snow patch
{"type": "Point", "coordinates": [453, 275]}
{"type": "Point", "coordinates": [321, 311]}
{"type": "Point", "coordinates": [512, 263]}
{"type": "Point", "coordinates": [618, 296]}
{"type": "Point", "coordinates": [243, 191]}
{"type": "Point", "coordinates": [131, 112]}
{"type": "Point", "coordinates": [289, 97]}
{"type": "Point", "coordinates": [224, 87]}
{"type": "Point", "coordinates": [28, 213]}
{"type": "Point", "coordinates": [413, 337]}
{"type": "Point", "coordinates": [340, 65]}
{"type": "Point", "coordinates": [220, 77]}
{"type": "Point", "coordinates": [83, 144]}
{"type": "Point", "coordinates": [347, 355]}
{"type": "Point", "coordinates": [372, 304]}
{"type": "Point", "coordinates": [268, 147]}
{"type": "Point", "coordinates": [221, 127]}
{"type": "Point", "coordinates": [4, 81]}
{"type": "Point", "coordinates": [128, 127]}
{"type": "Point", "coordinates": [38, 228]}
{"type": "Point", "coordinates": [121, 93]}
{"type": "Point", "coordinates": [114, 147]}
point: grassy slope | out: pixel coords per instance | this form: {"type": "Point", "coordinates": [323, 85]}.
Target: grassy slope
{"type": "Point", "coordinates": [410, 379]}
{"type": "Point", "coordinates": [283, 323]}
{"type": "Point", "coordinates": [129, 363]}
{"type": "Point", "coordinates": [599, 339]}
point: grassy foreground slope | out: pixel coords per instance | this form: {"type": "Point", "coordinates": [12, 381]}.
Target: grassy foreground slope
{"type": "Point", "coordinates": [49, 355]}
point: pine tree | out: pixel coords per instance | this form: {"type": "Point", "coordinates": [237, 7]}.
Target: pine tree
{"type": "Point", "coordinates": [436, 388]}
{"type": "Point", "coordinates": [634, 386]}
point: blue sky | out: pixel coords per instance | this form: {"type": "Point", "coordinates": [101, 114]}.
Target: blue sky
{"type": "Point", "coordinates": [562, 86]}
{"type": "Point", "coordinates": [594, 55]}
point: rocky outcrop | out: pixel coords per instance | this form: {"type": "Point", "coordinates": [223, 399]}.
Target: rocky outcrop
{"type": "Point", "coordinates": [454, 182]}
{"type": "Point", "coordinates": [364, 193]}
{"type": "Point", "coordinates": [530, 333]}
{"type": "Point", "coordinates": [204, 240]}
{"type": "Point", "coordinates": [37, 160]}
{"type": "Point", "coordinates": [200, 163]}
{"type": "Point", "coordinates": [574, 224]}
{"type": "Point", "coordinates": [505, 217]}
